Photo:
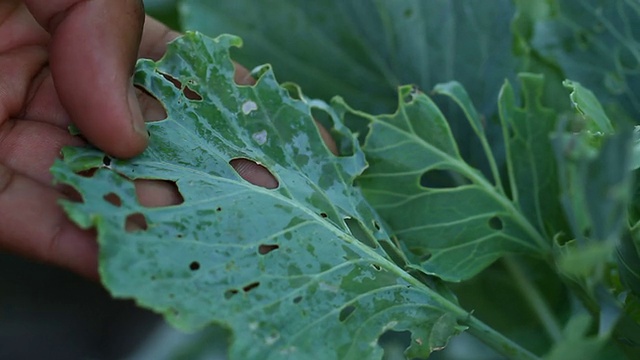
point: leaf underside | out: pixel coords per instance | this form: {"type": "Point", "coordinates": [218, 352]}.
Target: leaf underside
{"type": "Point", "coordinates": [299, 271]}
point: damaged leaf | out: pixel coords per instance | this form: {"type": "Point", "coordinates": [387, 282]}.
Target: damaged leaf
{"type": "Point", "coordinates": [303, 270]}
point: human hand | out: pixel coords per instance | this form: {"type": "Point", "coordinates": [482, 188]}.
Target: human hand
{"type": "Point", "coordinates": [63, 62]}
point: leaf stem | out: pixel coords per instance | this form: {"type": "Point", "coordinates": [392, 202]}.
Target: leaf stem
{"type": "Point", "coordinates": [477, 328]}
{"type": "Point", "coordinates": [497, 341]}
{"type": "Point", "coordinates": [534, 299]}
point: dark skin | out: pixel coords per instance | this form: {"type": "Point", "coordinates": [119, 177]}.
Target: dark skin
{"type": "Point", "coordinates": [70, 61]}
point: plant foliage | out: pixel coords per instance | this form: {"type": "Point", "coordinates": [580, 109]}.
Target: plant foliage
{"type": "Point", "coordinates": [431, 192]}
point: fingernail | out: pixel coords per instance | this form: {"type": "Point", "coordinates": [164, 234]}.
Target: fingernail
{"type": "Point", "coordinates": [136, 114]}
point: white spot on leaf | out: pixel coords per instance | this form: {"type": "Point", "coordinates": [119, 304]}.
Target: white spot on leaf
{"type": "Point", "coordinates": [270, 340]}
{"type": "Point", "coordinates": [260, 137]}
{"type": "Point", "coordinates": [253, 326]}
{"type": "Point", "coordinates": [248, 107]}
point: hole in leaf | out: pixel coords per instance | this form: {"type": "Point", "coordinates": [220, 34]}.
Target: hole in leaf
{"type": "Point", "coordinates": [437, 179]}
{"type": "Point", "coordinates": [218, 209]}
{"type": "Point", "coordinates": [376, 225]}
{"type": "Point", "coordinates": [324, 215]}
{"type": "Point", "coordinates": [106, 161]}
{"type": "Point", "coordinates": [88, 173]}
{"type": "Point", "coordinates": [496, 223]}
{"type": "Point", "coordinates": [242, 76]}
{"type": "Point", "coordinates": [188, 92]}
{"type": "Point", "coordinates": [376, 267]}
{"type": "Point", "coordinates": [297, 299]}
{"type": "Point", "coordinates": [360, 232]}
{"type": "Point", "coordinates": [346, 312]}
{"type": "Point", "coordinates": [264, 249]}
{"type": "Point", "coordinates": [194, 266]}
{"type": "Point", "coordinates": [157, 193]}
{"type": "Point", "coordinates": [251, 286]}
{"type": "Point", "coordinates": [191, 94]}
{"type": "Point", "coordinates": [410, 96]}
{"type": "Point", "coordinates": [395, 342]}
{"type": "Point", "coordinates": [113, 199]}
{"type": "Point", "coordinates": [152, 109]}
{"type": "Point", "coordinates": [136, 222]}
{"type": "Point", "coordinates": [336, 143]}
{"type": "Point", "coordinates": [71, 193]}
{"type": "Point", "coordinates": [172, 80]}
{"type": "Point", "coordinates": [230, 293]}
{"type": "Point", "coordinates": [254, 173]}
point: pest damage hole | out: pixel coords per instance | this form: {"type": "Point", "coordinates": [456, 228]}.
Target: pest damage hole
{"type": "Point", "coordinates": [337, 143]}
{"type": "Point", "coordinates": [194, 266]}
{"type": "Point", "coordinates": [251, 286]}
{"type": "Point", "coordinates": [297, 299]}
{"type": "Point", "coordinates": [230, 293]}
{"type": "Point", "coordinates": [218, 209]}
{"type": "Point", "coordinates": [376, 225]}
{"type": "Point", "coordinates": [191, 94]}
{"type": "Point", "coordinates": [88, 173]}
{"type": "Point", "coordinates": [264, 249]}
{"type": "Point", "coordinates": [106, 161]}
{"type": "Point", "coordinates": [254, 173]}
{"type": "Point", "coordinates": [360, 232]}
{"type": "Point", "coordinates": [376, 266]}
{"type": "Point", "coordinates": [391, 340]}
{"type": "Point", "coordinates": [324, 215]}
{"type": "Point", "coordinates": [346, 312]}
{"type": "Point", "coordinates": [496, 223]}
{"type": "Point", "coordinates": [188, 92]}
{"type": "Point", "coordinates": [152, 109]}
{"type": "Point", "coordinates": [157, 193]}
{"type": "Point", "coordinates": [136, 222]}
{"type": "Point", "coordinates": [113, 199]}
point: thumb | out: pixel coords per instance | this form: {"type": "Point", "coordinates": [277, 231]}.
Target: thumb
{"type": "Point", "coordinates": [93, 51]}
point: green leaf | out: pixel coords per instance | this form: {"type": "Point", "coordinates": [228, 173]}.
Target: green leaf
{"type": "Point", "coordinates": [591, 41]}
{"type": "Point", "coordinates": [530, 157]}
{"type": "Point", "coordinates": [364, 50]}
{"type": "Point", "coordinates": [628, 258]}
{"type": "Point", "coordinates": [337, 47]}
{"type": "Point", "coordinates": [443, 209]}
{"type": "Point", "coordinates": [299, 271]}
{"type": "Point", "coordinates": [588, 106]}
{"type": "Point", "coordinates": [578, 344]}
{"type": "Point", "coordinates": [595, 181]}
